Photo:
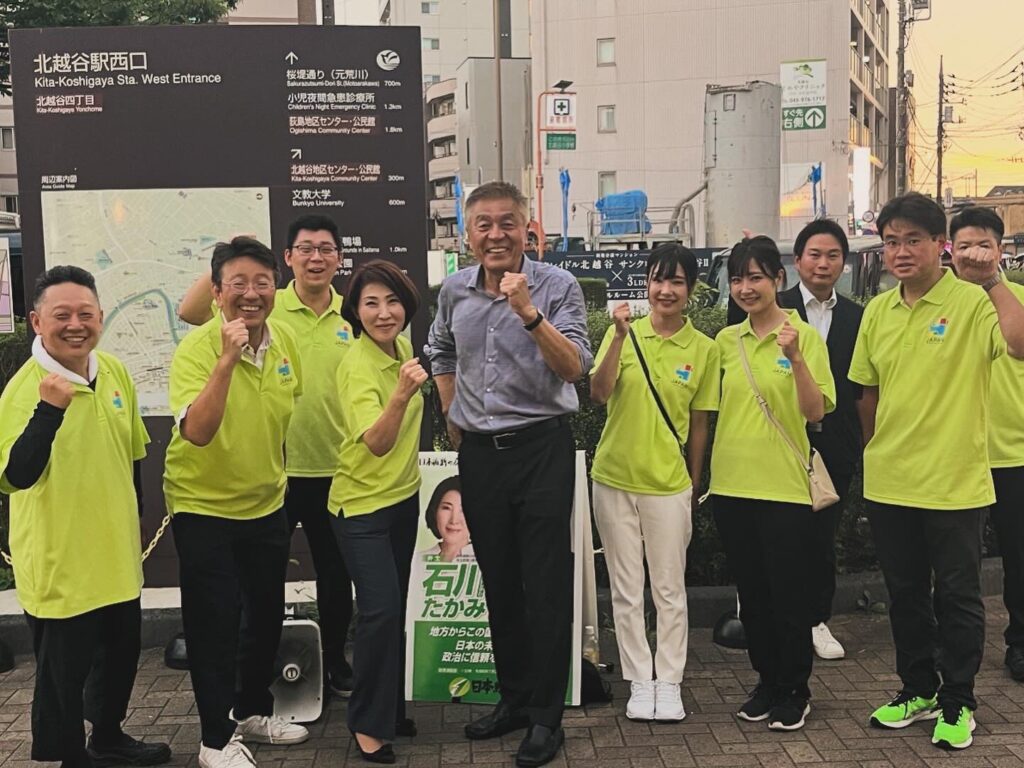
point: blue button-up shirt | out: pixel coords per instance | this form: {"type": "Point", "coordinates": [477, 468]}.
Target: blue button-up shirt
{"type": "Point", "coordinates": [501, 380]}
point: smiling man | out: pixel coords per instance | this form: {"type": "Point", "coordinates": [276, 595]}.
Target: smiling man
{"type": "Point", "coordinates": [924, 356]}
{"type": "Point", "coordinates": [233, 385]}
{"type": "Point", "coordinates": [509, 338]}
{"type": "Point", "coordinates": [70, 437]}
{"type": "Point", "coordinates": [821, 249]}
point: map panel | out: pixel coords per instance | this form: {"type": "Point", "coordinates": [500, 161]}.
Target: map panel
{"type": "Point", "coordinates": [145, 248]}
{"type": "Point", "coordinates": [6, 300]}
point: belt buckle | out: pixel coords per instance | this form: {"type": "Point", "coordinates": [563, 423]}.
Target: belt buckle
{"type": "Point", "coordinates": [497, 440]}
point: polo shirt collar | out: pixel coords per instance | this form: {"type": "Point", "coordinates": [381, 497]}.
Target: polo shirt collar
{"type": "Point", "coordinates": [745, 327]}
{"type": "Point", "coordinates": [290, 300]}
{"type": "Point", "coordinates": [249, 355]}
{"type": "Point", "coordinates": [808, 297]}
{"type": "Point", "coordinates": [681, 338]}
{"type": "Point", "coordinates": [937, 294]}
{"type": "Point", "coordinates": [378, 356]}
{"type": "Point", "coordinates": [49, 363]}
{"type": "Point", "coordinates": [475, 274]}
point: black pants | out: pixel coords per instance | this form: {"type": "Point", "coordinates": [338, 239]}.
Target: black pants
{"type": "Point", "coordinates": [227, 567]}
{"type": "Point", "coordinates": [378, 549]}
{"type": "Point", "coordinates": [85, 668]}
{"type": "Point", "coordinates": [766, 545]}
{"type": "Point", "coordinates": [1008, 520]}
{"type": "Point", "coordinates": [306, 503]}
{"type": "Point", "coordinates": [518, 505]}
{"type": "Point", "coordinates": [941, 634]}
{"type": "Point", "coordinates": [821, 570]}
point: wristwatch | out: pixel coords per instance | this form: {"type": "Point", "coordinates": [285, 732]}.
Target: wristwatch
{"type": "Point", "coordinates": [992, 282]}
{"type": "Point", "coordinates": [535, 322]}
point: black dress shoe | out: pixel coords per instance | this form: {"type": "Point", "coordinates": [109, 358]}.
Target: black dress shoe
{"type": "Point", "coordinates": [540, 746]}
{"type": "Point", "coordinates": [384, 755]}
{"type": "Point", "coordinates": [128, 751]}
{"type": "Point", "coordinates": [499, 721]}
{"type": "Point", "coordinates": [1015, 662]}
{"type": "Point", "coordinates": [406, 727]}
{"type": "Point", "coordinates": [340, 680]}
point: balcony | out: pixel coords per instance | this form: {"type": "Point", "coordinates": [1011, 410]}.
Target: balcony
{"type": "Point", "coordinates": [444, 244]}
{"type": "Point", "coordinates": [442, 209]}
{"type": "Point", "coordinates": [441, 127]}
{"type": "Point", "coordinates": [442, 167]}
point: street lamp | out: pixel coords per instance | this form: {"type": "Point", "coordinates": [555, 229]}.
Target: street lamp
{"type": "Point", "coordinates": [558, 88]}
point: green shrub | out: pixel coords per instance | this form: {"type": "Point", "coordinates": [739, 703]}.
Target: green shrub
{"type": "Point", "coordinates": [1015, 275]}
{"type": "Point", "coordinates": [15, 349]}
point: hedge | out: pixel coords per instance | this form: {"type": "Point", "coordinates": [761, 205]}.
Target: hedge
{"type": "Point", "coordinates": [14, 351]}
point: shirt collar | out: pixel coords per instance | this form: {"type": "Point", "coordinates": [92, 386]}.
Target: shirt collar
{"type": "Point", "coordinates": [681, 338]}
{"type": "Point", "coordinates": [248, 353]}
{"type": "Point", "coordinates": [290, 300]}
{"type": "Point", "coordinates": [379, 357]}
{"type": "Point", "coordinates": [808, 297]}
{"type": "Point", "coordinates": [936, 294]}
{"type": "Point", "coordinates": [745, 327]}
{"type": "Point", "coordinates": [47, 361]}
{"type": "Point", "coordinates": [475, 274]}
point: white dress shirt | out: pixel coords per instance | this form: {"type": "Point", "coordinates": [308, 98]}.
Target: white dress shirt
{"type": "Point", "coordinates": [819, 313]}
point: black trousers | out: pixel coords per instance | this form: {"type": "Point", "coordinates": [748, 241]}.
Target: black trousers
{"type": "Point", "coordinates": [227, 567]}
{"type": "Point", "coordinates": [378, 549]}
{"type": "Point", "coordinates": [518, 505]}
{"type": "Point", "coordinates": [935, 634]}
{"type": "Point", "coordinates": [822, 567]}
{"type": "Point", "coordinates": [85, 669]}
{"type": "Point", "coordinates": [1008, 520]}
{"type": "Point", "coordinates": [306, 503]}
{"type": "Point", "coordinates": [766, 545]}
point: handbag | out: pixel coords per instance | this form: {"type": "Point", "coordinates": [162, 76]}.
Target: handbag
{"type": "Point", "coordinates": [650, 385]}
{"type": "Point", "coordinates": [823, 491]}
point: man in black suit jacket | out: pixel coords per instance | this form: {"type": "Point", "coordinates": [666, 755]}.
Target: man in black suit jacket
{"type": "Point", "coordinates": [820, 251]}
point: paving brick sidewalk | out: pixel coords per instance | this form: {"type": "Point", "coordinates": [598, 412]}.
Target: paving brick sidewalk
{"type": "Point", "coordinates": [836, 735]}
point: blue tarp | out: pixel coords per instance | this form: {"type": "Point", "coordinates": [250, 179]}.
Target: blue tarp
{"type": "Point", "coordinates": [624, 213]}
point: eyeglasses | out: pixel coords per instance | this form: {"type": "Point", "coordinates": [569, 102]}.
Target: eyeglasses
{"type": "Point", "coordinates": [893, 244]}
{"type": "Point", "coordinates": [241, 286]}
{"type": "Point", "coordinates": [307, 249]}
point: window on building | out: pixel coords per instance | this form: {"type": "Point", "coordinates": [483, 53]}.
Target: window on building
{"type": "Point", "coordinates": [605, 51]}
{"type": "Point", "coordinates": [467, 151]}
{"type": "Point", "coordinates": [430, 9]}
{"type": "Point", "coordinates": [606, 119]}
{"type": "Point", "coordinates": [430, 43]}
{"type": "Point", "coordinates": [10, 203]}
{"type": "Point", "coordinates": [7, 138]}
{"type": "Point", "coordinates": [606, 183]}
{"type": "Point", "coordinates": [431, 79]}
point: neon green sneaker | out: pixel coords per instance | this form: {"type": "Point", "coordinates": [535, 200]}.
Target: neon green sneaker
{"type": "Point", "coordinates": [953, 731]}
{"type": "Point", "coordinates": [904, 710]}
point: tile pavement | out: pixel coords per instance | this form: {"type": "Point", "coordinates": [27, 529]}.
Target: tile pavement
{"type": "Point", "coordinates": [836, 735]}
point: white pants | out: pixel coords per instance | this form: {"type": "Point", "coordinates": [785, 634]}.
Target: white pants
{"type": "Point", "coordinates": [633, 525]}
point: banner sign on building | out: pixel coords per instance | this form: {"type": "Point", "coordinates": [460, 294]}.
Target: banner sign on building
{"type": "Point", "coordinates": [803, 94]}
{"type": "Point", "coordinates": [449, 655]}
{"type": "Point", "coordinates": [6, 292]}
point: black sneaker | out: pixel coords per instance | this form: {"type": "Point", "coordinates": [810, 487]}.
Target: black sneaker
{"type": "Point", "coordinates": [788, 714]}
{"type": "Point", "coordinates": [758, 706]}
{"type": "Point", "coordinates": [340, 680]}
{"type": "Point", "coordinates": [128, 751]}
{"type": "Point", "coordinates": [1015, 662]}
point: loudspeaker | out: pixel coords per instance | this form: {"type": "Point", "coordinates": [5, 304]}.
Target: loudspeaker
{"type": "Point", "coordinates": [298, 687]}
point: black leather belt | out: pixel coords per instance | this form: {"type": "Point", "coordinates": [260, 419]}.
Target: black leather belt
{"type": "Point", "coordinates": [814, 426]}
{"type": "Point", "coordinates": [502, 441]}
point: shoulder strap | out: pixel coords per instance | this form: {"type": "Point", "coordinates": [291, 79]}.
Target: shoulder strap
{"type": "Point", "coordinates": [764, 405]}
{"type": "Point", "coordinates": [650, 385]}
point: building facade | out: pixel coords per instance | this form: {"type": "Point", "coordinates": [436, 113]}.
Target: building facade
{"type": "Point", "coordinates": [641, 69]}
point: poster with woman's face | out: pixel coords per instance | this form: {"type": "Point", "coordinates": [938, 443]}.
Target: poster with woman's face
{"type": "Point", "coordinates": [444, 520]}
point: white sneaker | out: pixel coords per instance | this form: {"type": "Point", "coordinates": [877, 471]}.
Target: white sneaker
{"type": "Point", "coordinates": [641, 700]}
{"type": "Point", "coordinates": [668, 704]}
{"type": "Point", "coordinates": [234, 755]}
{"type": "Point", "coordinates": [261, 729]}
{"type": "Point", "coordinates": [826, 646]}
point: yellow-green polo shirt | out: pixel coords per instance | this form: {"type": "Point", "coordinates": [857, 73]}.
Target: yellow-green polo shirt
{"type": "Point", "coordinates": [240, 474]}
{"type": "Point", "coordinates": [932, 365]}
{"type": "Point", "coordinates": [315, 434]}
{"type": "Point", "coordinates": [637, 451]}
{"type": "Point", "coordinates": [365, 483]}
{"type": "Point", "coordinates": [75, 536]}
{"type": "Point", "coordinates": [1006, 420]}
{"type": "Point", "coordinates": [750, 459]}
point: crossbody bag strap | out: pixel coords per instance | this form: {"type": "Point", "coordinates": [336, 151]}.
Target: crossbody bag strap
{"type": "Point", "coordinates": [766, 410]}
{"type": "Point", "coordinates": [650, 385]}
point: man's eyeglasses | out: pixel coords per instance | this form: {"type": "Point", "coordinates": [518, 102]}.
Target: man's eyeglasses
{"type": "Point", "coordinates": [911, 243]}
{"type": "Point", "coordinates": [306, 249]}
{"type": "Point", "coordinates": [240, 286]}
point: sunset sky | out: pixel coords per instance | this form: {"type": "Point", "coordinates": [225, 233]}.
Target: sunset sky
{"type": "Point", "coordinates": [983, 45]}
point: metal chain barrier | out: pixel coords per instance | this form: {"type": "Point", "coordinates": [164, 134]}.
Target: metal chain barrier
{"type": "Point", "coordinates": [145, 553]}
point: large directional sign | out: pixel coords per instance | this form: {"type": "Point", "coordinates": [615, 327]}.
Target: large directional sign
{"type": "Point", "coordinates": [803, 94]}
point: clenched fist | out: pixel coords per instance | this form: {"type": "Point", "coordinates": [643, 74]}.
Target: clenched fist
{"type": "Point", "coordinates": [514, 288]}
{"type": "Point", "coordinates": [620, 316]}
{"type": "Point", "coordinates": [56, 390]}
{"type": "Point", "coordinates": [976, 262]}
{"type": "Point", "coordinates": [789, 341]}
{"type": "Point", "coordinates": [233, 336]}
{"type": "Point", "coordinates": [410, 378]}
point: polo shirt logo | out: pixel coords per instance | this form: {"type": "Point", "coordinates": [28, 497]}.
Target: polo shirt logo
{"type": "Point", "coordinates": [783, 366]}
{"type": "Point", "coordinates": [285, 368]}
{"type": "Point", "coordinates": [684, 373]}
{"type": "Point", "coordinates": [937, 330]}
{"type": "Point", "coordinates": [344, 333]}
{"type": "Point", "coordinates": [116, 400]}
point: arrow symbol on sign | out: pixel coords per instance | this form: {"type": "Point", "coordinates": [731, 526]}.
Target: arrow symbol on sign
{"type": "Point", "coordinates": [296, 154]}
{"type": "Point", "coordinates": [814, 117]}
{"type": "Point", "coordinates": [291, 58]}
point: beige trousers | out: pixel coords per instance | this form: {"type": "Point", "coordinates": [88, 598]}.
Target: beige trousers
{"type": "Point", "coordinates": [633, 526]}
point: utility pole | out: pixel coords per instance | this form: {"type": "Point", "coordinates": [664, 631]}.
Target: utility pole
{"type": "Point", "coordinates": [939, 134]}
{"type": "Point", "coordinates": [901, 101]}
{"type": "Point", "coordinates": [497, 88]}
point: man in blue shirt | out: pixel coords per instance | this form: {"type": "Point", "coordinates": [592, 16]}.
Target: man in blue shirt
{"type": "Point", "coordinates": [509, 339]}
